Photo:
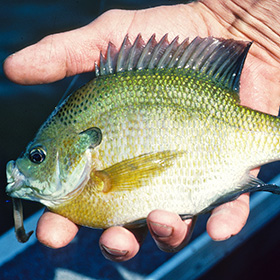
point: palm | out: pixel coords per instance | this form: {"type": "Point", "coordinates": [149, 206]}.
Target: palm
{"type": "Point", "coordinates": [259, 79]}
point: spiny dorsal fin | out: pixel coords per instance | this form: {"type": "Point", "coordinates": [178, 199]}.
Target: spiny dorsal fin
{"type": "Point", "coordinates": [219, 59]}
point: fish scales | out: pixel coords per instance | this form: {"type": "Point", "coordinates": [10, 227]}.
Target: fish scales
{"type": "Point", "coordinates": [160, 105]}
{"type": "Point", "coordinates": [131, 141]}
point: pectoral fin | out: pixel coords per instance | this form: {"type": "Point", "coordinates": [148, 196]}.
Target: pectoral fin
{"type": "Point", "coordinates": [133, 173]}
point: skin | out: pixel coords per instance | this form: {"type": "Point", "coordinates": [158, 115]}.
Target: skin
{"type": "Point", "coordinates": [73, 52]}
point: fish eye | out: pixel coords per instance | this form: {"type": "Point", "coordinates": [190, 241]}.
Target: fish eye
{"type": "Point", "coordinates": [37, 154]}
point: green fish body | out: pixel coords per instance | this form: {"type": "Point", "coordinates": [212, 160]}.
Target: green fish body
{"type": "Point", "coordinates": [160, 127]}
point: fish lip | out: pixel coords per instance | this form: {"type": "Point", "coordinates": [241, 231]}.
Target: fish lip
{"type": "Point", "coordinates": [12, 188]}
{"type": "Point", "coordinates": [15, 179]}
{"type": "Point", "coordinates": [9, 171]}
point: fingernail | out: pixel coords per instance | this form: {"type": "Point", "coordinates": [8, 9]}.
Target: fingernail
{"type": "Point", "coordinates": [161, 230]}
{"type": "Point", "coordinates": [114, 252]}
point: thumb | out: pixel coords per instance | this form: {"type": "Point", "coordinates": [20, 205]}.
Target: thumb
{"type": "Point", "coordinates": [65, 54]}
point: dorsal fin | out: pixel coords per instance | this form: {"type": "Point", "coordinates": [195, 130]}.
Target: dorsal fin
{"type": "Point", "coordinates": [221, 60]}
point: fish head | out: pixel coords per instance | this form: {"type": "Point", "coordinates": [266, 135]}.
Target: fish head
{"type": "Point", "coordinates": [52, 170]}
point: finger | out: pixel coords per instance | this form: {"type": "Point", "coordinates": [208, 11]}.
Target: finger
{"type": "Point", "coordinates": [168, 230]}
{"type": "Point", "coordinates": [228, 219]}
{"type": "Point", "coordinates": [52, 58]}
{"type": "Point", "coordinates": [55, 231]}
{"type": "Point", "coordinates": [120, 244]}
{"type": "Point", "coordinates": [64, 54]}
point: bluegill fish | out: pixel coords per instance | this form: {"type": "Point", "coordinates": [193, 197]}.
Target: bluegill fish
{"type": "Point", "coordinates": [160, 127]}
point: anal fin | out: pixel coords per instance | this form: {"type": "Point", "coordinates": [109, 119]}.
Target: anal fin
{"type": "Point", "coordinates": [253, 185]}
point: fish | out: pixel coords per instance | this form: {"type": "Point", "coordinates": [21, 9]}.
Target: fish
{"type": "Point", "coordinates": [159, 127]}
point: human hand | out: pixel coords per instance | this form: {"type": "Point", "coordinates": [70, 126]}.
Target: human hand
{"type": "Point", "coordinates": [70, 53]}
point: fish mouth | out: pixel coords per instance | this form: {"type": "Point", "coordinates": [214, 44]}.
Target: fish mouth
{"type": "Point", "coordinates": [18, 185]}
{"type": "Point", "coordinates": [15, 179]}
